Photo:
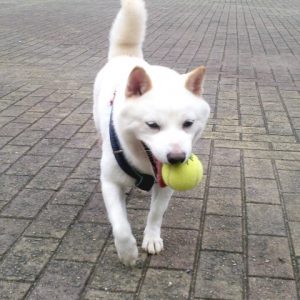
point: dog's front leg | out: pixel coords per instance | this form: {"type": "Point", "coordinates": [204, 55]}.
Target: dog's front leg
{"type": "Point", "coordinates": [125, 242]}
{"type": "Point", "coordinates": [152, 242]}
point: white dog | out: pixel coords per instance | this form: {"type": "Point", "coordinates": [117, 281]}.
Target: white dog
{"type": "Point", "coordinates": [147, 115]}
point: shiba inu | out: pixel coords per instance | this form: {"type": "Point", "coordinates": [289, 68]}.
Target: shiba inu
{"type": "Point", "coordinates": [146, 115]}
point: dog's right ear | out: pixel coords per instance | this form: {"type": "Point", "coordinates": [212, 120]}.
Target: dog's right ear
{"type": "Point", "coordinates": [138, 83]}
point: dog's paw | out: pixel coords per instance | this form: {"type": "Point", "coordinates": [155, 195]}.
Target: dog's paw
{"type": "Point", "coordinates": [127, 251]}
{"type": "Point", "coordinates": [152, 245]}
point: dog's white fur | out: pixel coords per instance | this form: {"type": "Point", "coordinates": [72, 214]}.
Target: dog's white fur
{"type": "Point", "coordinates": [144, 94]}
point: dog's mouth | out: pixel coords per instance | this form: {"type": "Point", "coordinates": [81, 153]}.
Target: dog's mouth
{"type": "Point", "coordinates": [159, 178]}
{"type": "Point", "coordinates": [156, 166]}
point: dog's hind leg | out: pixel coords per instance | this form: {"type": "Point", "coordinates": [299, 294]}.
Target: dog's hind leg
{"type": "Point", "coordinates": [125, 242]}
{"type": "Point", "coordinates": [152, 242]}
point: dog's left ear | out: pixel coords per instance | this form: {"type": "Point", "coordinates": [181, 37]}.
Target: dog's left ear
{"type": "Point", "coordinates": [138, 83]}
{"type": "Point", "coordinates": [194, 80]}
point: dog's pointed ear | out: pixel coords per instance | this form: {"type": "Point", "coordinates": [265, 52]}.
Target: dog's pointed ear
{"type": "Point", "coordinates": [138, 83]}
{"type": "Point", "coordinates": [194, 80]}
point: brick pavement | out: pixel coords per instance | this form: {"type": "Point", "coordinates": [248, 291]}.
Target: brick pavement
{"type": "Point", "coordinates": [235, 237]}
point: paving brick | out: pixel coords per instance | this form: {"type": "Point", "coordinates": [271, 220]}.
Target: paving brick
{"type": "Point", "coordinates": [94, 211]}
{"type": "Point", "coordinates": [27, 258]}
{"type": "Point", "coordinates": [62, 280]}
{"type": "Point", "coordinates": [62, 132]}
{"type": "Point", "coordinates": [82, 140]}
{"type": "Point", "coordinates": [11, 185]}
{"type": "Point", "coordinates": [47, 147]}
{"type": "Point", "coordinates": [165, 284]}
{"type": "Point", "coordinates": [45, 124]}
{"type": "Point", "coordinates": [27, 204]}
{"type": "Point", "coordinates": [272, 289]}
{"type": "Point", "coordinates": [49, 178]}
{"type": "Point", "coordinates": [87, 169]}
{"type": "Point", "coordinates": [92, 294]}
{"type": "Point", "coordinates": [223, 201]}
{"type": "Point", "coordinates": [225, 176]}
{"type": "Point", "coordinates": [53, 221]}
{"type": "Point", "coordinates": [173, 256]}
{"type": "Point", "coordinates": [262, 190]}
{"type": "Point", "coordinates": [10, 153]}
{"type": "Point", "coordinates": [259, 168]}
{"type": "Point", "coordinates": [28, 138]}
{"type": "Point", "coordinates": [28, 165]}
{"type": "Point", "coordinates": [220, 275]}
{"type": "Point", "coordinates": [83, 242]}
{"type": "Point", "coordinates": [226, 157]}
{"type": "Point", "coordinates": [10, 230]}
{"type": "Point", "coordinates": [265, 219]}
{"type": "Point", "coordinates": [12, 129]}
{"type": "Point", "coordinates": [67, 157]}
{"type": "Point", "coordinates": [295, 235]}
{"type": "Point", "coordinates": [222, 233]}
{"type": "Point", "coordinates": [13, 290]}
{"type": "Point", "coordinates": [269, 256]}
{"type": "Point", "coordinates": [183, 213]}
{"type": "Point", "coordinates": [290, 181]}
{"type": "Point", "coordinates": [111, 275]}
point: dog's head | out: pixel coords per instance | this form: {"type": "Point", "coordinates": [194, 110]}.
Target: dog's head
{"type": "Point", "coordinates": [165, 110]}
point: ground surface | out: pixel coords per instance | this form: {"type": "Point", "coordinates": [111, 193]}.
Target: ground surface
{"type": "Point", "coordinates": [235, 237]}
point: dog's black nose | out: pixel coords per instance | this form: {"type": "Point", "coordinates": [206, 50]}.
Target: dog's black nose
{"type": "Point", "coordinates": [174, 158]}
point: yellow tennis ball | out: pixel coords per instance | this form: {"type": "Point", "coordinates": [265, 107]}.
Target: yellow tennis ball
{"type": "Point", "coordinates": [183, 176]}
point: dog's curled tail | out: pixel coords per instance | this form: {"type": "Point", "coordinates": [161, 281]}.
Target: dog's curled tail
{"type": "Point", "coordinates": [128, 30]}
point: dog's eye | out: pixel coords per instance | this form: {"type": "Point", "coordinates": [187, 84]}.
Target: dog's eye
{"type": "Point", "coordinates": [187, 124]}
{"type": "Point", "coordinates": [153, 125]}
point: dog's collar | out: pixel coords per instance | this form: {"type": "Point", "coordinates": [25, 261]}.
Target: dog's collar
{"type": "Point", "coordinates": [142, 181]}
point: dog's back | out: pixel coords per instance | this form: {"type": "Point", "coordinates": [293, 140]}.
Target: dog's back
{"type": "Point", "coordinates": [128, 31]}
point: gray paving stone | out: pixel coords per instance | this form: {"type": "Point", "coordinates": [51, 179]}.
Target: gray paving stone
{"type": "Point", "coordinates": [259, 168]}
{"type": "Point", "coordinates": [50, 178]}
{"type": "Point", "coordinates": [183, 213]}
{"type": "Point", "coordinates": [262, 191]}
{"type": "Point", "coordinates": [62, 132]}
{"type": "Point", "coordinates": [67, 157]}
{"type": "Point", "coordinates": [94, 211]}
{"type": "Point", "coordinates": [13, 290]}
{"type": "Point", "coordinates": [87, 169]}
{"type": "Point", "coordinates": [83, 242]}
{"type": "Point", "coordinates": [27, 258]}
{"type": "Point", "coordinates": [11, 185]}
{"type": "Point", "coordinates": [28, 138]}
{"type": "Point", "coordinates": [265, 219]}
{"type": "Point", "coordinates": [271, 289]}
{"type": "Point", "coordinates": [27, 204]}
{"type": "Point", "coordinates": [10, 230]}
{"type": "Point", "coordinates": [165, 284]}
{"type": "Point", "coordinates": [225, 176]}
{"type": "Point", "coordinates": [226, 157]}
{"type": "Point", "coordinates": [223, 201]}
{"type": "Point", "coordinates": [269, 256]}
{"type": "Point", "coordinates": [28, 165]}
{"type": "Point", "coordinates": [295, 234]}
{"type": "Point", "coordinates": [290, 181]}
{"type": "Point", "coordinates": [10, 153]}
{"type": "Point", "coordinates": [222, 233]}
{"type": "Point", "coordinates": [220, 275]}
{"type": "Point", "coordinates": [92, 294]}
{"type": "Point", "coordinates": [53, 221]}
{"type": "Point", "coordinates": [111, 275]}
{"type": "Point", "coordinates": [61, 280]}
{"type": "Point", "coordinates": [174, 256]}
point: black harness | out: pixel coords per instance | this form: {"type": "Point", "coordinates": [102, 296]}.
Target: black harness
{"type": "Point", "coordinates": [142, 181]}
